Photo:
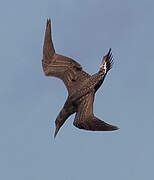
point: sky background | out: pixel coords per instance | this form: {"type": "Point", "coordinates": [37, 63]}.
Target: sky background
{"type": "Point", "coordinates": [30, 102]}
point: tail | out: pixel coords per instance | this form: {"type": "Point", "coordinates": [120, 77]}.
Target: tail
{"type": "Point", "coordinates": [107, 62]}
{"type": "Point", "coordinates": [95, 124]}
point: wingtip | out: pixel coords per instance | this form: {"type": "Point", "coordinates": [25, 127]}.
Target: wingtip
{"type": "Point", "coordinates": [48, 44]}
{"type": "Point", "coordinates": [115, 128]}
{"type": "Point", "coordinates": [48, 21]}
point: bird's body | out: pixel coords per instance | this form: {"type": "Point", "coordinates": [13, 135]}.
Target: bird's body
{"type": "Point", "coordinates": [80, 85]}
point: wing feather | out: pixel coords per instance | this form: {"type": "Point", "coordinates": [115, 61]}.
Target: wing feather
{"type": "Point", "coordinates": [65, 68]}
{"type": "Point", "coordinates": [85, 118]}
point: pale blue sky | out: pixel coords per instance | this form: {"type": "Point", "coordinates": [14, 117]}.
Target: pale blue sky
{"type": "Point", "coordinates": [30, 102]}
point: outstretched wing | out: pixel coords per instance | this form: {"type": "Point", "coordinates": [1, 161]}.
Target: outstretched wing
{"type": "Point", "coordinates": [85, 118]}
{"type": "Point", "coordinates": [68, 70]}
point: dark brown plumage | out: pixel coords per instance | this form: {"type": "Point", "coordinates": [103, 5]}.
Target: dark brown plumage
{"type": "Point", "coordinates": [80, 85]}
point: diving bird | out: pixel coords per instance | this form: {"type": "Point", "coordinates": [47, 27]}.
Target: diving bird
{"type": "Point", "coordinates": [80, 85]}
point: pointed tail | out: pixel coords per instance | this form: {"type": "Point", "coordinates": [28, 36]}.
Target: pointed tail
{"type": "Point", "coordinates": [107, 62]}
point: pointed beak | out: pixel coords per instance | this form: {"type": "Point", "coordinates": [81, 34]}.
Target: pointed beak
{"type": "Point", "coordinates": [56, 131]}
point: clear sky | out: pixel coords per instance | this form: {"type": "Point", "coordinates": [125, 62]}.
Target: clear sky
{"type": "Point", "coordinates": [30, 102]}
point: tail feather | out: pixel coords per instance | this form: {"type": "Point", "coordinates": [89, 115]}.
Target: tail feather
{"type": "Point", "coordinates": [107, 62]}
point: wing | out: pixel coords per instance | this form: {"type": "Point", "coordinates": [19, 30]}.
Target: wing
{"type": "Point", "coordinates": [85, 118]}
{"type": "Point", "coordinates": [68, 70]}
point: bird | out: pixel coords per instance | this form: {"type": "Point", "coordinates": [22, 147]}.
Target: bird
{"type": "Point", "coordinates": [80, 85]}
